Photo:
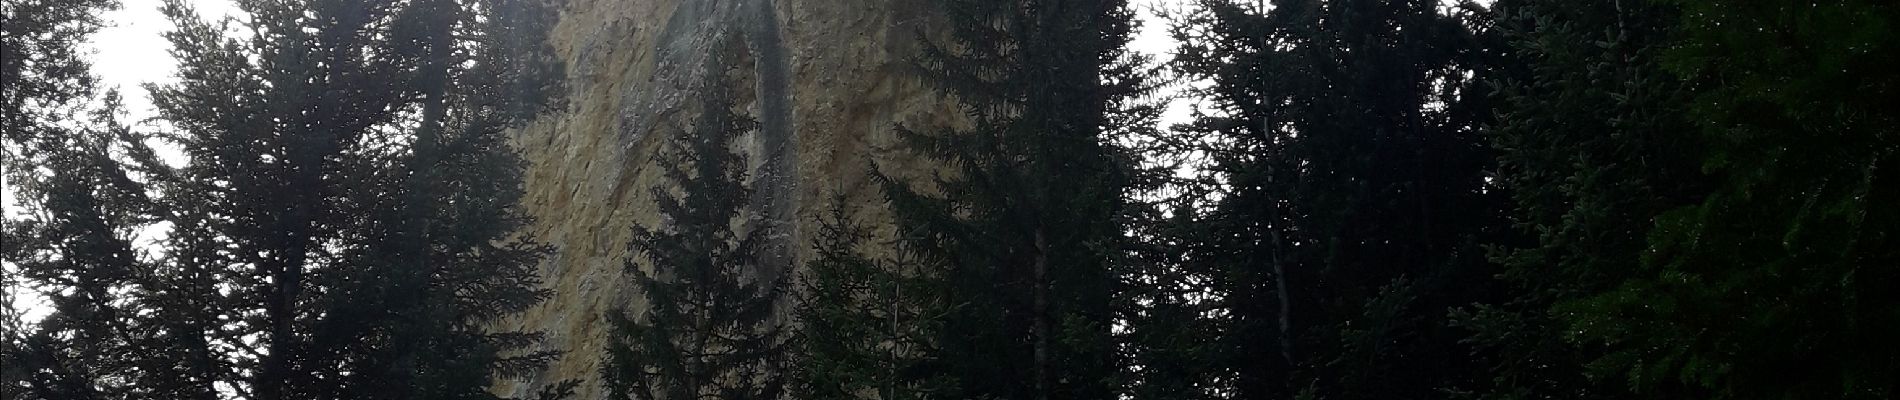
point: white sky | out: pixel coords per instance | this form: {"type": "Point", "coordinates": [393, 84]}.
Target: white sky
{"type": "Point", "coordinates": [131, 51]}
{"type": "Point", "coordinates": [1152, 39]}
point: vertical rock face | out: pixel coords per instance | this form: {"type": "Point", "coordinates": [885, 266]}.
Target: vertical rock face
{"type": "Point", "coordinates": [826, 79]}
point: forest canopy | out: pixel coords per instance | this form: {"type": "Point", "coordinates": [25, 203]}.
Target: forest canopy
{"type": "Point", "coordinates": [1415, 199]}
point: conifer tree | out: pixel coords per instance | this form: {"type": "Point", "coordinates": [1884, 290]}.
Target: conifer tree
{"type": "Point", "coordinates": [1353, 199]}
{"type": "Point", "coordinates": [710, 328]}
{"type": "Point", "coordinates": [1021, 235]}
{"type": "Point", "coordinates": [862, 321]}
{"type": "Point", "coordinates": [1168, 312]}
{"type": "Point", "coordinates": [1701, 226]}
{"type": "Point", "coordinates": [447, 255]}
{"type": "Point", "coordinates": [1776, 282]}
{"type": "Point", "coordinates": [75, 250]}
{"type": "Point", "coordinates": [41, 62]}
{"type": "Point", "coordinates": [294, 267]}
{"type": "Point", "coordinates": [68, 238]}
{"type": "Point", "coordinates": [1590, 133]}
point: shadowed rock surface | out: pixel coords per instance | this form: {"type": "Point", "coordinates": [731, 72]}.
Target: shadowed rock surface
{"type": "Point", "coordinates": [825, 79]}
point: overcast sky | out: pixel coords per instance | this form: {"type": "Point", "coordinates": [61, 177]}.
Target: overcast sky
{"type": "Point", "coordinates": [131, 50]}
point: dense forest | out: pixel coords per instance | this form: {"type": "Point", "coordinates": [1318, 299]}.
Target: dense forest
{"type": "Point", "coordinates": [1408, 199]}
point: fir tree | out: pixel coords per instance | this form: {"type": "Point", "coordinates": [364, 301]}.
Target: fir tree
{"type": "Point", "coordinates": [75, 250]}
{"type": "Point", "coordinates": [1021, 235]}
{"type": "Point", "coordinates": [710, 328]}
{"type": "Point", "coordinates": [1777, 281]}
{"type": "Point", "coordinates": [1591, 147]}
{"type": "Point", "coordinates": [1700, 226]}
{"type": "Point", "coordinates": [1353, 198]}
{"type": "Point", "coordinates": [70, 244]}
{"type": "Point", "coordinates": [46, 77]}
{"type": "Point", "coordinates": [1171, 327]}
{"type": "Point", "coordinates": [862, 321]}
{"type": "Point", "coordinates": [294, 267]}
{"type": "Point", "coordinates": [447, 254]}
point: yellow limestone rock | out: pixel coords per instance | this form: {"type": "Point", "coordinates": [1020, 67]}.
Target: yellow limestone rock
{"type": "Point", "coordinates": [826, 79]}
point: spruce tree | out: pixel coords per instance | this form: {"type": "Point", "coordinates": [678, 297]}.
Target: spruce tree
{"type": "Point", "coordinates": [1353, 199]}
{"type": "Point", "coordinates": [444, 264]}
{"type": "Point", "coordinates": [1703, 179]}
{"type": "Point", "coordinates": [1168, 311]}
{"type": "Point", "coordinates": [710, 328]}
{"type": "Point", "coordinates": [1776, 282]}
{"type": "Point", "coordinates": [41, 61]}
{"type": "Point", "coordinates": [75, 250]}
{"type": "Point", "coordinates": [1021, 234]}
{"type": "Point", "coordinates": [299, 263]}
{"type": "Point", "coordinates": [862, 321]}
{"type": "Point", "coordinates": [1590, 133]}
{"type": "Point", "coordinates": [75, 211]}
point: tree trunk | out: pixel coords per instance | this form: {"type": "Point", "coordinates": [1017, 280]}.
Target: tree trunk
{"type": "Point", "coordinates": [1279, 247]}
{"type": "Point", "coordinates": [1041, 324]}
{"type": "Point", "coordinates": [287, 286]}
{"type": "Point", "coordinates": [435, 85]}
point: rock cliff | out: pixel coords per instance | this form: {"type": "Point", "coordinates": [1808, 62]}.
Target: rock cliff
{"type": "Point", "coordinates": [826, 79]}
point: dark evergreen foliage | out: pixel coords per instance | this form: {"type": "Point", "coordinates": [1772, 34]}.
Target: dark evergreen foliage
{"type": "Point", "coordinates": [1777, 281]}
{"type": "Point", "coordinates": [863, 322]}
{"type": "Point", "coordinates": [41, 62]}
{"type": "Point", "coordinates": [1526, 199]}
{"type": "Point", "coordinates": [1590, 130]}
{"type": "Point", "coordinates": [76, 251]}
{"type": "Point", "coordinates": [1171, 325]}
{"type": "Point", "coordinates": [1022, 232]}
{"type": "Point", "coordinates": [349, 205]}
{"type": "Point", "coordinates": [342, 228]}
{"type": "Point", "coordinates": [71, 246]}
{"type": "Point", "coordinates": [1354, 201]}
{"type": "Point", "coordinates": [1703, 213]}
{"type": "Point", "coordinates": [709, 328]}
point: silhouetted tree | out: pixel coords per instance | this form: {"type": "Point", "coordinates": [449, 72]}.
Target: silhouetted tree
{"type": "Point", "coordinates": [1353, 200]}
{"type": "Point", "coordinates": [709, 329]}
{"type": "Point", "coordinates": [1777, 282]}
{"type": "Point", "coordinates": [344, 225]}
{"type": "Point", "coordinates": [69, 242]}
{"type": "Point", "coordinates": [1021, 235]}
{"type": "Point", "coordinates": [1590, 134]}
{"type": "Point", "coordinates": [74, 248]}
